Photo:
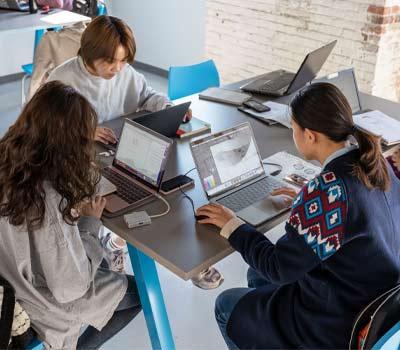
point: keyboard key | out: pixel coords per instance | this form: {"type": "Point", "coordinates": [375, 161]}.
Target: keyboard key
{"type": "Point", "coordinates": [250, 194]}
{"type": "Point", "coordinates": [127, 190]}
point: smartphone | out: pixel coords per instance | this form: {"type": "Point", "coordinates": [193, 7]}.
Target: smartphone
{"type": "Point", "coordinates": [296, 179]}
{"type": "Point", "coordinates": [256, 106]}
{"type": "Point", "coordinates": [172, 185]}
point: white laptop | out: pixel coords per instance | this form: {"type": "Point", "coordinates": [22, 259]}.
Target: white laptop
{"type": "Point", "coordinates": [137, 169]}
{"type": "Point", "coordinates": [232, 174]}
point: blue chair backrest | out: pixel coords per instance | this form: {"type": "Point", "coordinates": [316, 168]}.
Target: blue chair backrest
{"type": "Point", "coordinates": [390, 341]}
{"type": "Point", "coordinates": [187, 80]}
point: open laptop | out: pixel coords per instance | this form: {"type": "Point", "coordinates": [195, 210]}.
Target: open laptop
{"type": "Point", "coordinates": [232, 174]}
{"type": "Point", "coordinates": [137, 169]}
{"type": "Point", "coordinates": [346, 81]}
{"type": "Point", "coordinates": [165, 122]}
{"type": "Point", "coordinates": [19, 5]}
{"type": "Point", "coordinates": [282, 82]}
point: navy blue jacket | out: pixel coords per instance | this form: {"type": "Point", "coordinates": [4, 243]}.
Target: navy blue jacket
{"type": "Point", "coordinates": [341, 250]}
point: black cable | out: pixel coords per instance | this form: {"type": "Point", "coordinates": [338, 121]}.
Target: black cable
{"type": "Point", "coordinates": [185, 195]}
{"type": "Point", "coordinates": [275, 172]}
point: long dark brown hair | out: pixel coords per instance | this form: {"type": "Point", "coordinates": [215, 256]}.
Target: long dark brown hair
{"type": "Point", "coordinates": [52, 140]}
{"type": "Point", "coordinates": [322, 107]}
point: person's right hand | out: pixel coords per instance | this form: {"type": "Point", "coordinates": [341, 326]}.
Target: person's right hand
{"type": "Point", "coordinates": [105, 135]}
{"type": "Point", "coordinates": [286, 191]}
{"type": "Point", "coordinates": [94, 208]}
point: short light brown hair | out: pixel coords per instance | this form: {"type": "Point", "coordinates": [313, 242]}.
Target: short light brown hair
{"type": "Point", "coordinates": [103, 36]}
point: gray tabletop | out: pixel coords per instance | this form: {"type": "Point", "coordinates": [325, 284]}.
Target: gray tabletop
{"type": "Point", "coordinates": [176, 241]}
{"type": "Point", "coordinates": [16, 21]}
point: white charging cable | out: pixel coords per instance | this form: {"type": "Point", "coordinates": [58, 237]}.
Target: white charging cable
{"type": "Point", "coordinates": [165, 212]}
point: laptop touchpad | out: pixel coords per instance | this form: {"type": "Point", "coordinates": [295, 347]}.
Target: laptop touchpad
{"type": "Point", "coordinates": [115, 203]}
{"type": "Point", "coordinates": [264, 210]}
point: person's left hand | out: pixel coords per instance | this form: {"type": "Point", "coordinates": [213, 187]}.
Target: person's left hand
{"type": "Point", "coordinates": [216, 214]}
{"type": "Point", "coordinates": [187, 116]}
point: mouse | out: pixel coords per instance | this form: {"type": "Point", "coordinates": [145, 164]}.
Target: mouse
{"type": "Point", "coordinates": [200, 217]}
{"type": "Point", "coordinates": [281, 201]}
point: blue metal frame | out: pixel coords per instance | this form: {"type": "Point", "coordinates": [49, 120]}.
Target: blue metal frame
{"type": "Point", "coordinates": [152, 300]}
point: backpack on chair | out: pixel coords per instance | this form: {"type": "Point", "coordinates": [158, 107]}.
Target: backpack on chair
{"type": "Point", "coordinates": [376, 320]}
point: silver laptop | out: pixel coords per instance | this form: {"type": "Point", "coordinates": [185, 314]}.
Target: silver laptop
{"type": "Point", "coordinates": [282, 82]}
{"type": "Point", "coordinates": [137, 169]}
{"type": "Point", "coordinates": [232, 174]}
{"type": "Point", "coordinates": [345, 81]}
{"type": "Point", "coordinates": [19, 5]}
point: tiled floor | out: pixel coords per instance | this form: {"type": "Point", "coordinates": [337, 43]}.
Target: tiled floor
{"type": "Point", "coordinates": [190, 309]}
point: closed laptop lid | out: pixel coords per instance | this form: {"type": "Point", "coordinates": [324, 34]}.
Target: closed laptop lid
{"type": "Point", "coordinates": [227, 159]}
{"type": "Point", "coordinates": [310, 67]}
{"type": "Point", "coordinates": [166, 121]}
{"type": "Point", "coordinates": [345, 81]}
{"type": "Point", "coordinates": [142, 154]}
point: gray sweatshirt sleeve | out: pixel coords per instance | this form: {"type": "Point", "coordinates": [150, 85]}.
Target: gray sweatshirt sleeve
{"type": "Point", "coordinates": [149, 99]}
{"type": "Point", "coordinates": [89, 227]}
{"type": "Point", "coordinates": [69, 259]}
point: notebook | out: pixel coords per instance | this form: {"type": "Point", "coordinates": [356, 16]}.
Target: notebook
{"type": "Point", "coordinates": [224, 96]}
{"type": "Point", "coordinates": [379, 124]}
{"type": "Point", "coordinates": [194, 127]}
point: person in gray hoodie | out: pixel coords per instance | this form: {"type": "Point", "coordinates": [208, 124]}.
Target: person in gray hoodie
{"type": "Point", "coordinates": [49, 224]}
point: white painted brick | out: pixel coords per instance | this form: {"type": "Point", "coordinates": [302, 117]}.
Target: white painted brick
{"type": "Point", "coordinates": [250, 37]}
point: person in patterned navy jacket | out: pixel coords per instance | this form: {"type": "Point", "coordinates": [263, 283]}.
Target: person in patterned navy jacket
{"type": "Point", "coordinates": [342, 240]}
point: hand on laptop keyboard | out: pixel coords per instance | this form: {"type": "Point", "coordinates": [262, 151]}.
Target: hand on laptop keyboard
{"type": "Point", "coordinates": [283, 197]}
{"type": "Point", "coordinates": [105, 135]}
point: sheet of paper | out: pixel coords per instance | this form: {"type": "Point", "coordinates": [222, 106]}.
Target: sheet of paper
{"type": "Point", "coordinates": [380, 124]}
{"type": "Point", "coordinates": [279, 113]}
{"type": "Point", "coordinates": [64, 17]}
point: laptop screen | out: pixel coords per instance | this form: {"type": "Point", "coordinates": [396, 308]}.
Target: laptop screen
{"type": "Point", "coordinates": [227, 159]}
{"type": "Point", "coordinates": [346, 81]}
{"type": "Point", "coordinates": [142, 153]}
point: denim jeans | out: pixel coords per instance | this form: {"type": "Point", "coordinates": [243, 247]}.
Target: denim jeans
{"type": "Point", "coordinates": [126, 311]}
{"type": "Point", "coordinates": [228, 299]}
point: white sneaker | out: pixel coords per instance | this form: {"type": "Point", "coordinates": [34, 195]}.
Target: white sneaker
{"type": "Point", "coordinates": [115, 258]}
{"type": "Point", "coordinates": [209, 278]}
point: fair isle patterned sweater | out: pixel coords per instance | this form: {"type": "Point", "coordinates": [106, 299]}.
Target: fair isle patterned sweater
{"type": "Point", "coordinates": [339, 252]}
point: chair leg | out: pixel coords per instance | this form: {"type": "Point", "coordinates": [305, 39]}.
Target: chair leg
{"type": "Point", "coordinates": [23, 97]}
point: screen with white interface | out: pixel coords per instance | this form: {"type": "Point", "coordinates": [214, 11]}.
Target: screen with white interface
{"type": "Point", "coordinates": [227, 159]}
{"type": "Point", "coordinates": [142, 154]}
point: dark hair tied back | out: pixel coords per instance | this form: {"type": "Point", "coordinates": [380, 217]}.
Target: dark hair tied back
{"type": "Point", "coordinates": [322, 107]}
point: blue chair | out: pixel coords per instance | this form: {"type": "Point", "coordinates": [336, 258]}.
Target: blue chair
{"type": "Point", "coordinates": [187, 80]}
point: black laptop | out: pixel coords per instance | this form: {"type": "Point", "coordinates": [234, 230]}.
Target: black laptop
{"type": "Point", "coordinates": [165, 122]}
{"type": "Point", "coordinates": [282, 82]}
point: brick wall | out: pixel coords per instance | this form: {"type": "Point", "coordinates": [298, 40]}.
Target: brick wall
{"type": "Point", "coordinates": [250, 37]}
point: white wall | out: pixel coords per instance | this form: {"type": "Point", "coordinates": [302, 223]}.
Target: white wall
{"type": "Point", "coordinates": [167, 32]}
{"type": "Point", "coordinates": [16, 49]}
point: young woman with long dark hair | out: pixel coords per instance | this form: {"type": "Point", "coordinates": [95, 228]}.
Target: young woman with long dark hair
{"type": "Point", "coordinates": [342, 240]}
{"type": "Point", "coordinates": [49, 223]}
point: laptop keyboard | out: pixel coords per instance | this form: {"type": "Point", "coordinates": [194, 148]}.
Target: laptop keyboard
{"type": "Point", "coordinates": [250, 194]}
{"type": "Point", "coordinates": [127, 190]}
{"type": "Point", "coordinates": [275, 85]}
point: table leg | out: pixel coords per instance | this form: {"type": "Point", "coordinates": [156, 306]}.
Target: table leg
{"type": "Point", "coordinates": [152, 300]}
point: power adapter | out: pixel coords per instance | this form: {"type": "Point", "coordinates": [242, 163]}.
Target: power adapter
{"type": "Point", "coordinates": [137, 219]}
